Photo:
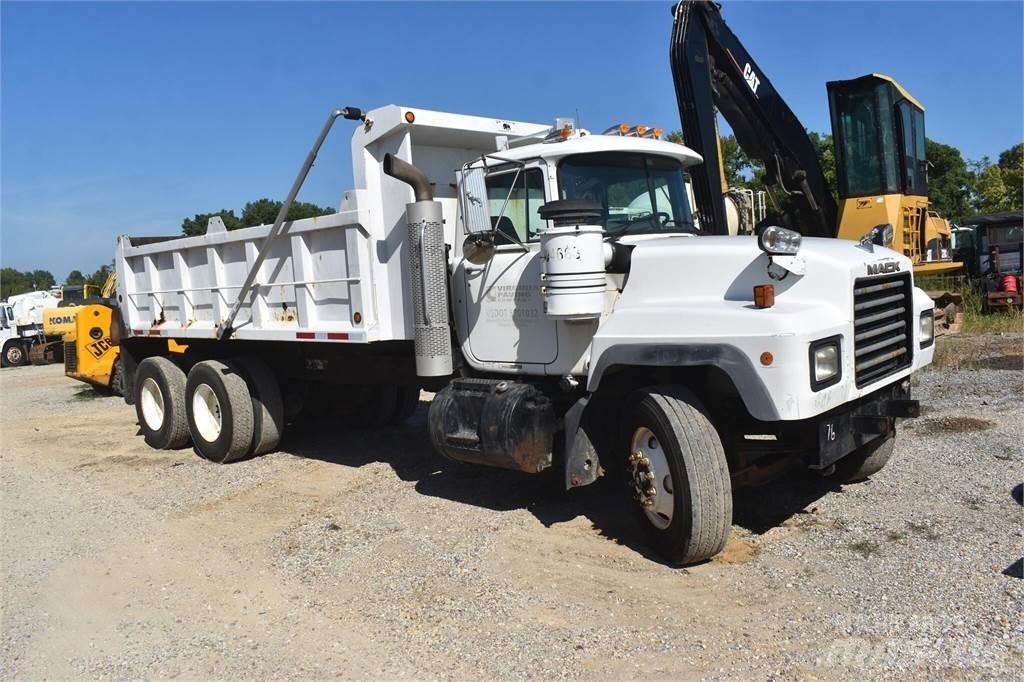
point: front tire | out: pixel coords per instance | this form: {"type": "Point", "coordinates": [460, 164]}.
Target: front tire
{"type": "Point", "coordinates": [14, 355]}
{"type": "Point", "coordinates": [160, 403]}
{"type": "Point", "coordinates": [866, 461]}
{"type": "Point", "coordinates": [678, 473]}
{"type": "Point", "coordinates": [219, 409]}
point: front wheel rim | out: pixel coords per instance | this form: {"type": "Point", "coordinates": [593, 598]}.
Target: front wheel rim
{"type": "Point", "coordinates": [206, 413]}
{"type": "Point", "coordinates": [152, 403]}
{"type": "Point", "coordinates": [651, 478]}
{"type": "Point", "coordinates": [14, 355]}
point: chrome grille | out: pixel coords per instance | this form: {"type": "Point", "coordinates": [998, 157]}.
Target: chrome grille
{"type": "Point", "coordinates": [882, 326]}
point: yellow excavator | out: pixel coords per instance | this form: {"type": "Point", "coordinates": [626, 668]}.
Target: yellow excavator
{"type": "Point", "coordinates": [879, 138]}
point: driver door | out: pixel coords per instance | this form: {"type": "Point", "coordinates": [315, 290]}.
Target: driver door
{"type": "Point", "coordinates": [502, 300]}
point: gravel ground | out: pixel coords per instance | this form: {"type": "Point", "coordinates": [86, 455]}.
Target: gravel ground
{"type": "Point", "coordinates": [361, 554]}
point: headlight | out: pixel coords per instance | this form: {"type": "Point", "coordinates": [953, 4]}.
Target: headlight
{"type": "Point", "coordinates": [826, 363]}
{"type": "Point", "coordinates": [881, 235]}
{"type": "Point", "coordinates": [927, 328]}
{"type": "Point", "coordinates": [779, 241]}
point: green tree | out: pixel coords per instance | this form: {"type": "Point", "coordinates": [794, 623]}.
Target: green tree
{"type": "Point", "coordinates": [990, 195]}
{"type": "Point", "coordinates": [264, 211]}
{"type": "Point", "coordinates": [42, 279]}
{"type": "Point", "coordinates": [13, 282]}
{"type": "Point", "coordinates": [197, 224]}
{"type": "Point", "coordinates": [74, 277]}
{"type": "Point", "coordinates": [949, 181]}
{"type": "Point", "coordinates": [1011, 167]}
{"type": "Point", "coordinates": [99, 278]}
{"type": "Point", "coordinates": [825, 149]}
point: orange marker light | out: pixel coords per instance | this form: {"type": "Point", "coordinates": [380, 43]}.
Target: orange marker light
{"type": "Point", "coordinates": [565, 132]}
{"type": "Point", "coordinates": [764, 296]}
{"type": "Point", "coordinates": [767, 358]}
{"type": "Point", "coordinates": [641, 131]}
{"type": "Point", "coordinates": [624, 128]}
{"type": "Point", "coordinates": [357, 317]}
{"type": "Point", "coordinates": [657, 133]}
{"type": "Point", "coordinates": [410, 117]}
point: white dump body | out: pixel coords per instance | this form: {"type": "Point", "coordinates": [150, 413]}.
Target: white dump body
{"type": "Point", "coordinates": [337, 278]}
{"type": "Point", "coordinates": [315, 284]}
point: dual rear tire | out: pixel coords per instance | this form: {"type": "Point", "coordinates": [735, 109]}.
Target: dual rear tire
{"type": "Point", "coordinates": [229, 409]}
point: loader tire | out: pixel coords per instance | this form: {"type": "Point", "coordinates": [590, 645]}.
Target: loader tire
{"type": "Point", "coordinates": [219, 408]}
{"type": "Point", "coordinates": [672, 449]}
{"type": "Point", "coordinates": [267, 405]}
{"type": "Point", "coordinates": [160, 403]}
{"type": "Point", "coordinates": [865, 461]}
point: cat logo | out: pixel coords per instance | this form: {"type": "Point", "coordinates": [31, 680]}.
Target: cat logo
{"type": "Point", "coordinates": [751, 78]}
{"type": "Point", "coordinates": [883, 268]}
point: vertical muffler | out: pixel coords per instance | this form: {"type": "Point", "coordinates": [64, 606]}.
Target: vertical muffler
{"type": "Point", "coordinates": [428, 269]}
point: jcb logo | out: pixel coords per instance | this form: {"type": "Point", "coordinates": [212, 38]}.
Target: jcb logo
{"type": "Point", "coordinates": [98, 348]}
{"type": "Point", "coordinates": [752, 80]}
{"type": "Point", "coordinates": [883, 268]}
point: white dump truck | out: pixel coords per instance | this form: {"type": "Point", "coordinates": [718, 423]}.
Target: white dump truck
{"type": "Point", "coordinates": [554, 289]}
{"type": "Point", "coordinates": [22, 330]}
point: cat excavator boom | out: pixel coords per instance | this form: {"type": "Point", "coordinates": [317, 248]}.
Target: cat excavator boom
{"type": "Point", "coordinates": [712, 70]}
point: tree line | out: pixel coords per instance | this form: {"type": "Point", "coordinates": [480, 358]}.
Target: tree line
{"type": "Point", "coordinates": [259, 212]}
{"type": "Point", "coordinates": [957, 188]}
{"type": "Point", "coordinates": [14, 282]}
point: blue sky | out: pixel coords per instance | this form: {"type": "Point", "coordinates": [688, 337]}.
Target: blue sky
{"type": "Point", "coordinates": [125, 118]}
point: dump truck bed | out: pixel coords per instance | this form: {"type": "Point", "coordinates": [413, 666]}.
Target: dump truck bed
{"type": "Point", "coordinates": [315, 284]}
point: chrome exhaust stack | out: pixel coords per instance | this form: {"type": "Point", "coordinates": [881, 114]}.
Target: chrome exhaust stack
{"type": "Point", "coordinates": [428, 270]}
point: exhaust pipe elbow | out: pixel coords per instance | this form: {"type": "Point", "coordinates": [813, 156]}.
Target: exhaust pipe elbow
{"type": "Point", "coordinates": [410, 175]}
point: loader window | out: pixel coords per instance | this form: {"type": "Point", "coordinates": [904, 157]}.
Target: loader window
{"type": "Point", "coordinates": [912, 131]}
{"type": "Point", "coordinates": [866, 152]}
{"type": "Point", "coordinates": [640, 194]}
{"type": "Point", "coordinates": [520, 217]}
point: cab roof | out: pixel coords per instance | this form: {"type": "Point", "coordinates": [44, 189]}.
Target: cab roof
{"type": "Point", "coordinates": [588, 143]}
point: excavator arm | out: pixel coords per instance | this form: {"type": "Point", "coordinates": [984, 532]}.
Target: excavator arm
{"type": "Point", "coordinates": [712, 70]}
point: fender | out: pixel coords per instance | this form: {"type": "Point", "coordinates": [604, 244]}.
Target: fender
{"type": "Point", "coordinates": [728, 358]}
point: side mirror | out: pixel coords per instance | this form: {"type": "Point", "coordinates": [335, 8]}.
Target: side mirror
{"type": "Point", "coordinates": [478, 248]}
{"type": "Point", "coordinates": [476, 214]}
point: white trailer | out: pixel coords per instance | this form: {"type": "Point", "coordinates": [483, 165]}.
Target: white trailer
{"type": "Point", "coordinates": [554, 289]}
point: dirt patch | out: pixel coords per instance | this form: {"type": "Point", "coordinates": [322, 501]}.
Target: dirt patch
{"type": "Point", "coordinates": [955, 425]}
{"type": "Point", "coordinates": [739, 550]}
{"type": "Point", "coordinates": [1000, 362]}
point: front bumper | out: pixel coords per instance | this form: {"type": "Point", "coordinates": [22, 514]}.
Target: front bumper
{"type": "Point", "coordinates": [848, 427]}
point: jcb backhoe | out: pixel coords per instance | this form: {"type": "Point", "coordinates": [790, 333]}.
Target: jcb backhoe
{"type": "Point", "coordinates": [877, 129]}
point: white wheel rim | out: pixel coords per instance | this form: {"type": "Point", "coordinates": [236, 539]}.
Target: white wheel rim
{"type": "Point", "coordinates": [152, 402]}
{"type": "Point", "coordinates": [14, 355]}
{"type": "Point", "coordinates": [651, 478]}
{"type": "Point", "coordinates": [206, 413]}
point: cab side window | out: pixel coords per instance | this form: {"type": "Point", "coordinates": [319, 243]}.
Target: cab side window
{"type": "Point", "coordinates": [525, 194]}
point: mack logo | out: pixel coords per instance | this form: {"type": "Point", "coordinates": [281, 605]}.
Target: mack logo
{"type": "Point", "coordinates": [883, 268]}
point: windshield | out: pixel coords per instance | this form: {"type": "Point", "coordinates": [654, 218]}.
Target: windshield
{"type": "Point", "coordinates": [639, 194]}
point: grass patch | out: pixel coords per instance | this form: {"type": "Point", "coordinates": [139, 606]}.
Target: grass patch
{"type": "Point", "coordinates": [895, 536]}
{"type": "Point", "coordinates": [976, 321]}
{"type": "Point", "coordinates": [864, 547]}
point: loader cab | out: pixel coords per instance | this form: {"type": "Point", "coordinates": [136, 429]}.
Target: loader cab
{"type": "Point", "coordinates": [878, 130]}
